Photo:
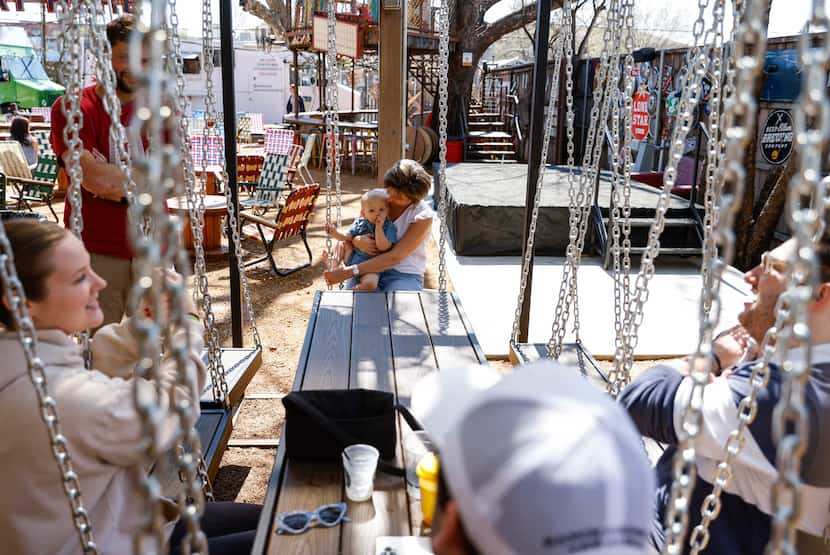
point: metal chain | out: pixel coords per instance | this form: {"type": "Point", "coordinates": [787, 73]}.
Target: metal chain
{"type": "Point", "coordinates": [332, 105]}
{"type": "Point", "coordinates": [201, 291]}
{"type": "Point", "coordinates": [443, 96]}
{"type": "Point", "coordinates": [209, 131]}
{"type": "Point", "coordinates": [580, 203]}
{"type": "Point", "coordinates": [617, 377]}
{"type": "Point", "coordinates": [148, 206]}
{"type": "Point", "coordinates": [747, 411]}
{"type": "Point", "coordinates": [806, 198]}
{"type": "Point", "coordinates": [332, 128]}
{"type": "Point", "coordinates": [15, 296]}
{"type": "Point", "coordinates": [696, 65]}
{"type": "Point", "coordinates": [71, 18]}
{"type": "Point", "coordinates": [553, 108]}
{"type": "Point", "coordinates": [188, 449]}
{"type": "Point", "coordinates": [740, 113]}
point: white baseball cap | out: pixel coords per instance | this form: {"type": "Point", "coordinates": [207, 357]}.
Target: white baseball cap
{"type": "Point", "coordinates": [539, 461]}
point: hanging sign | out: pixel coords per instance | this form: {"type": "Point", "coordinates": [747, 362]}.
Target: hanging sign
{"type": "Point", "coordinates": [639, 116]}
{"type": "Point", "coordinates": [467, 59]}
{"type": "Point", "coordinates": [777, 137]}
{"type": "Point", "coordinates": [346, 37]}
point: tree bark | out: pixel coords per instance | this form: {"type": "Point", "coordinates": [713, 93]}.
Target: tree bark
{"type": "Point", "coordinates": [764, 229]}
{"type": "Point", "coordinates": [474, 37]}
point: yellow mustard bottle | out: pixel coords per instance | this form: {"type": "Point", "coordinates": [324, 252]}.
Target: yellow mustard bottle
{"type": "Point", "coordinates": [427, 471]}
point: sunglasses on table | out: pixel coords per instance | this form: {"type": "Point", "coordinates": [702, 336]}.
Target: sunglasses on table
{"type": "Point", "coordinates": [297, 522]}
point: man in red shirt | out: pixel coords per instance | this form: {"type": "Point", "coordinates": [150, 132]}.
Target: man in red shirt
{"type": "Point", "coordinates": [104, 207]}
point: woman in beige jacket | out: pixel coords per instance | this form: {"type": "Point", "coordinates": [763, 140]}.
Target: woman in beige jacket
{"type": "Point", "coordinates": [102, 429]}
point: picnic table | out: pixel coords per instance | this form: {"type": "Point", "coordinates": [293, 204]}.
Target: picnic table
{"type": "Point", "coordinates": [382, 341]}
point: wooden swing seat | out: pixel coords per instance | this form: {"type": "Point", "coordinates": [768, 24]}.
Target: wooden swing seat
{"type": "Point", "coordinates": [574, 355]}
{"type": "Point", "coordinates": [382, 341]}
{"type": "Point", "coordinates": [240, 366]}
{"type": "Point", "coordinates": [214, 427]}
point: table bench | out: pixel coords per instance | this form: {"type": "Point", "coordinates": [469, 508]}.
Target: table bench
{"type": "Point", "coordinates": [383, 341]}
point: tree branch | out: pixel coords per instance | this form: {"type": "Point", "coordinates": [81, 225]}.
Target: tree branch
{"type": "Point", "coordinates": [507, 24]}
{"type": "Point", "coordinates": [597, 10]}
{"type": "Point", "coordinates": [275, 14]}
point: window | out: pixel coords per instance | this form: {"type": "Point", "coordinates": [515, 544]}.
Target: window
{"type": "Point", "coordinates": [191, 63]}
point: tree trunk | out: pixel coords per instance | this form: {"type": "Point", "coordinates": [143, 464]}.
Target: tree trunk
{"type": "Point", "coordinates": [764, 228]}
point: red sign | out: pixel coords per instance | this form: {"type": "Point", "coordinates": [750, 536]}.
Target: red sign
{"type": "Point", "coordinates": [639, 116]}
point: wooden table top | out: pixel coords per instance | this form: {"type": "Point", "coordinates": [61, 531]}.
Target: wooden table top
{"type": "Point", "coordinates": [382, 341]}
{"type": "Point", "coordinates": [215, 203]}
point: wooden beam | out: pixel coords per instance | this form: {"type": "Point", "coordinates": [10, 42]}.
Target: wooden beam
{"type": "Point", "coordinates": [391, 113]}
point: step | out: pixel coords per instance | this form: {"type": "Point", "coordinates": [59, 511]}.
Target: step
{"type": "Point", "coordinates": [671, 250]}
{"type": "Point", "coordinates": [474, 144]}
{"type": "Point", "coordinates": [669, 222]}
{"type": "Point", "coordinates": [485, 114]}
{"type": "Point", "coordinates": [486, 123]}
{"type": "Point", "coordinates": [488, 135]}
{"type": "Point", "coordinates": [492, 152]}
{"type": "Point", "coordinates": [493, 161]}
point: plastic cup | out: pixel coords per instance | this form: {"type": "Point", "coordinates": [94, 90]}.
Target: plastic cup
{"type": "Point", "coordinates": [359, 464]}
{"type": "Point", "coordinates": [415, 446]}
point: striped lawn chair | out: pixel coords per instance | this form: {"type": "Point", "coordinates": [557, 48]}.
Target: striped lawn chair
{"type": "Point", "coordinates": [291, 220]}
{"type": "Point", "coordinates": [29, 186]}
{"type": "Point", "coordinates": [248, 170]}
{"type": "Point", "coordinates": [271, 182]}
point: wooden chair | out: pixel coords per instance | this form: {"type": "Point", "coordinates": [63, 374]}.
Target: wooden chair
{"type": "Point", "coordinates": [29, 186]}
{"type": "Point", "coordinates": [272, 181]}
{"type": "Point", "coordinates": [291, 220]}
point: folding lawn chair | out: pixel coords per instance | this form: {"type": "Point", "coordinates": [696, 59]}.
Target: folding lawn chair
{"type": "Point", "coordinates": [291, 220]}
{"type": "Point", "coordinates": [271, 182]}
{"type": "Point", "coordinates": [248, 170]}
{"type": "Point", "coordinates": [29, 186]}
{"type": "Point", "coordinates": [302, 165]}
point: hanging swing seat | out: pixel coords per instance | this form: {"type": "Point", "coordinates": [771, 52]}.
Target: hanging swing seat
{"type": "Point", "coordinates": [574, 355]}
{"type": "Point", "coordinates": [214, 427]}
{"type": "Point", "coordinates": [240, 365]}
{"type": "Point", "coordinates": [373, 340]}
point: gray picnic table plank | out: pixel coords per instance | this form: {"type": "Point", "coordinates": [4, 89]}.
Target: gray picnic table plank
{"type": "Point", "coordinates": [306, 485]}
{"type": "Point", "coordinates": [372, 368]}
{"type": "Point", "coordinates": [448, 332]}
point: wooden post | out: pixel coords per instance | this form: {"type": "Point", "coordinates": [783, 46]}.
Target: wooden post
{"type": "Point", "coordinates": [391, 109]}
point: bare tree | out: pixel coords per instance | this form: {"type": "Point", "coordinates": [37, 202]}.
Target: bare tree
{"type": "Point", "coordinates": [276, 13]}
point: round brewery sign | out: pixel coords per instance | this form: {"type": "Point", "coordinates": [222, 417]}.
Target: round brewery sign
{"type": "Point", "coordinates": [777, 137]}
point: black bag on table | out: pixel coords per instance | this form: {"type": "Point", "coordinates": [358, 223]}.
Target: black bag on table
{"type": "Point", "coordinates": [319, 424]}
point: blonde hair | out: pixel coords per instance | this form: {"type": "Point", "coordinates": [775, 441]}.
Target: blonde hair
{"type": "Point", "coordinates": [410, 178]}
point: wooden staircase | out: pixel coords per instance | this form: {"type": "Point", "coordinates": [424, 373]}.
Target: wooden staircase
{"type": "Point", "coordinates": [488, 138]}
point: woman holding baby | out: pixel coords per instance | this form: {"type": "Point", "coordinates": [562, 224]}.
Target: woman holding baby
{"type": "Point", "coordinates": [401, 267]}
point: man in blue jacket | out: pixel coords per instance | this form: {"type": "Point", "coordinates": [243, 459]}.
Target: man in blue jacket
{"type": "Point", "coordinates": [657, 398]}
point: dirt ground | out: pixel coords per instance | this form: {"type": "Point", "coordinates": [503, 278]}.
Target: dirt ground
{"type": "Point", "coordinates": [281, 306]}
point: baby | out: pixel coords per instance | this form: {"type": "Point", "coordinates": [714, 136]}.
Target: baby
{"type": "Point", "coordinates": [372, 221]}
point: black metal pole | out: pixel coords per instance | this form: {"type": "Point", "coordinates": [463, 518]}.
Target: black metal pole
{"type": "Point", "coordinates": [229, 108]}
{"type": "Point", "coordinates": [537, 130]}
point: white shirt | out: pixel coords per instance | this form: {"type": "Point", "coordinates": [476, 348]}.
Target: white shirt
{"type": "Point", "coordinates": [416, 262]}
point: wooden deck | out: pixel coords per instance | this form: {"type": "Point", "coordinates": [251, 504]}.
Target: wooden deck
{"type": "Point", "coordinates": [383, 341]}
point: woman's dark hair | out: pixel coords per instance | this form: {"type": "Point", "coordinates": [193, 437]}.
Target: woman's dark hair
{"type": "Point", "coordinates": [19, 130]}
{"type": "Point", "coordinates": [410, 178]}
{"type": "Point", "coordinates": [823, 255]}
{"type": "Point", "coordinates": [118, 30]}
{"type": "Point", "coordinates": [32, 242]}
{"type": "Point", "coordinates": [441, 503]}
